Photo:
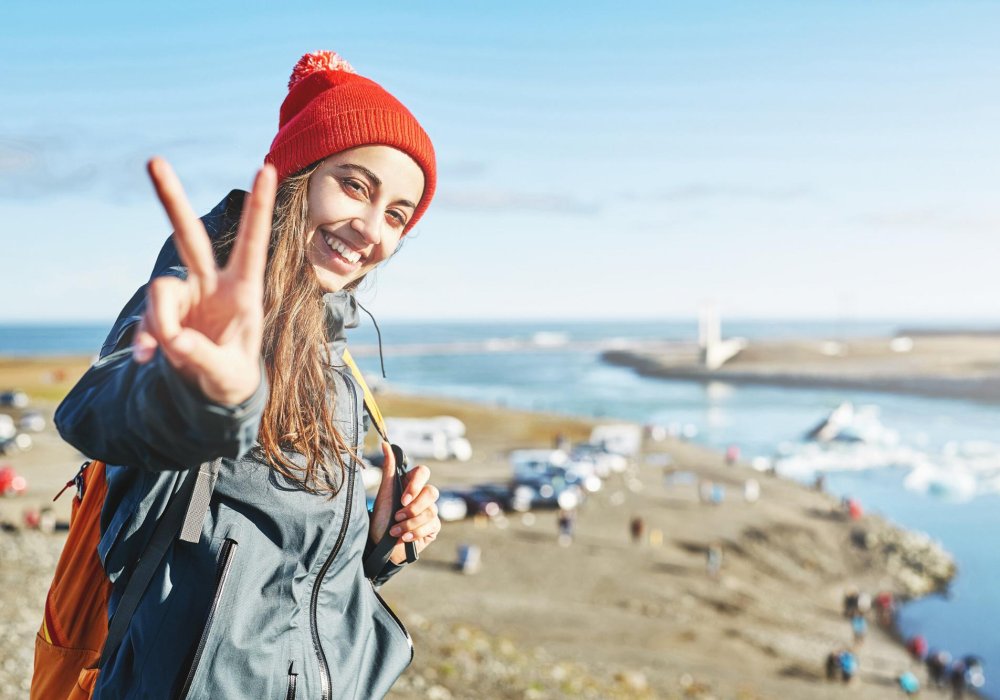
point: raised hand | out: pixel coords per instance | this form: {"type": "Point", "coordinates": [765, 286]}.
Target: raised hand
{"type": "Point", "coordinates": [417, 521]}
{"type": "Point", "coordinates": [209, 326]}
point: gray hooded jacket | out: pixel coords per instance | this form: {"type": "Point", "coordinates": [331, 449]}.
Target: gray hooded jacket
{"type": "Point", "coordinates": [272, 602]}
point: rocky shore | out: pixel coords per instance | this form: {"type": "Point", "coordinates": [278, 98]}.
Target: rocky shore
{"type": "Point", "coordinates": [947, 366]}
{"type": "Point", "coordinates": [607, 616]}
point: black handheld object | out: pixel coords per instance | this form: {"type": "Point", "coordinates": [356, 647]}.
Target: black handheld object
{"type": "Point", "coordinates": [376, 560]}
{"type": "Point", "coordinates": [401, 468]}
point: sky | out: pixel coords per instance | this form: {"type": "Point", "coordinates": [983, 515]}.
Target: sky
{"type": "Point", "coordinates": [595, 160]}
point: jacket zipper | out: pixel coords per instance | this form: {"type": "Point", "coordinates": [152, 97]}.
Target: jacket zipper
{"type": "Point", "coordinates": [292, 678]}
{"type": "Point", "coordinates": [225, 562]}
{"type": "Point", "coordinates": [324, 668]}
{"type": "Point", "coordinates": [399, 623]}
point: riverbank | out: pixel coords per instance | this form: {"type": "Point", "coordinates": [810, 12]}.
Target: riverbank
{"type": "Point", "coordinates": [604, 617]}
{"type": "Point", "coordinates": [939, 366]}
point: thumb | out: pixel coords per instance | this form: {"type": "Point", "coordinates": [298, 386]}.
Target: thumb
{"type": "Point", "coordinates": [201, 360]}
{"type": "Point", "coordinates": [385, 488]}
{"type": "Point", "coordinates": [382, 511]}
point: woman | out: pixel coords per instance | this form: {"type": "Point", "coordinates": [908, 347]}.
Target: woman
{"type": "Point", "coordinates": [233, 350]}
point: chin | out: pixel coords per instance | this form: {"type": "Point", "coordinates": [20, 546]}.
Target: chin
{"type": "Point", "coordinates": [329, 282]}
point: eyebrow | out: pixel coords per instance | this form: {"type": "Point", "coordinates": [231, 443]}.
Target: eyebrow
{"type": "Point", "coordinates": [375, 179]}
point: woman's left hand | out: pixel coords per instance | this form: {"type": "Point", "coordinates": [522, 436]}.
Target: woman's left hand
{"type": "Point", "coordinates": [417, 521]}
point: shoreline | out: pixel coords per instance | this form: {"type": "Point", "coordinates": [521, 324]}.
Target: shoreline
{"type": "Point", "coordinates": [759, 630]}
{"type": "Point", "coordinates": [963, 367]}
{"type": "Point", "coordinates": [978, 390]}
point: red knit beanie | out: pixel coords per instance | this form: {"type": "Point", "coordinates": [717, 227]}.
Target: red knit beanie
{"type": "Point", "coordinates": [330, 108]}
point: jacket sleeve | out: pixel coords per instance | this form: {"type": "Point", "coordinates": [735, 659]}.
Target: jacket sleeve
{"type": "Point", "coordinates": [148, 416]}
{"type": "Point", "coordinates": [388, 571]}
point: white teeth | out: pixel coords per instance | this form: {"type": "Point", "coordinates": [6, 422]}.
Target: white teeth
{"type": "Point", "coordinates": [349, 255]}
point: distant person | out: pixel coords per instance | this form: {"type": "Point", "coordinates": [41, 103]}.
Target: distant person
{"type": "Point", "coordinates": [732, 455]}
{"type": "Point", "coordinates": [975, 678]}
{"type": "Point", "coordinates": [468, 559]}
{"type": "Point", "coordinates": [718, 495]}
{"type": "Point", "coordinates": [832, 665]}
{"type": "Point", "coordinates": [917, 647]}
{"type": "Point", "coordinates": [636, 528]}
{"type": "Point", "coordinates": [908, 683]}
{"type": "Point", "coordinates": [864, 603]}
{"type": "Point", "coordinates": [820, 483]}
{"type": "Point", "coordinates": [713, 561]}
{"type": "Point", "coordinates": [859, 626]}
{"type": "Point", "coordinates": [566, 522]}
{"type": "Point", "coordinates": [751, 490]}
{"type": "Point", "coordinates": [885, 608]}
{"type": "Point", "coordinates": [851, 603]}
{"type": "Point", "coordinates": [848, 665]}
{"type": "Point", "coordinates": [560, 442]}
{"type": "Point", "coordinates": [854, 509]}
{"type": "Point", "coordinates": [938, 662]}
{"type": "Point", "coordinates": [956, 677]}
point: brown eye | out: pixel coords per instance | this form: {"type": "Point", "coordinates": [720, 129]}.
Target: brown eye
{"type": "Point", "coordinates": [396, 219]}
{"type": "Point", "coordinates": [354, 187]}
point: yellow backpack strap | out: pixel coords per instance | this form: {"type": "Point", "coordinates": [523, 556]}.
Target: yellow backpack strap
{"type": "Point", "coordinates": [376, 560]}
{"type": "Point", "coordinates": [370, 405]}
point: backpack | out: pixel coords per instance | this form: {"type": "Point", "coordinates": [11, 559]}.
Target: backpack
{"type": "Point", "coordinates": [75, 638]}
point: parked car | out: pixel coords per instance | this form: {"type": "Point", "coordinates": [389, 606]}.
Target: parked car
{"type": "Point", "coordinates": [7, 428]}
{"type": "Point", "coordinates": [32, 421]}
{"type": "Point", "coordinates": [440, 438]}
{"type": "Point", "coordinates": [529, 494]}
{"type": "Point", "coordinates": [488, 499]}
{"type": "Point", "coordinates": [606, 462]}
{"type": "Point", "coordinates": [13, 398]}
{"type": "Point", "coordinates": [451, 505]}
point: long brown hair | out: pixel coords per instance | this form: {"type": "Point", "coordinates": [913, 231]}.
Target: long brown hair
{"type": "Point", "coordinates": [298, 417]}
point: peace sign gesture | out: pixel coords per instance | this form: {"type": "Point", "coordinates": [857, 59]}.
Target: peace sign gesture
{"type": "Point", "coordinates": [209, 326]}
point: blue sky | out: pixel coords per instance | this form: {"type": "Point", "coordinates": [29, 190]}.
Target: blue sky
{"type": "Point", "coordinates": [596, 160]}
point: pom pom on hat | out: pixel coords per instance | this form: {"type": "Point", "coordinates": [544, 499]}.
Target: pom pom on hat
{"type": "Point", "coordinates": [330, 108]}
{"type": "Point", "coordinates": [316, 62]}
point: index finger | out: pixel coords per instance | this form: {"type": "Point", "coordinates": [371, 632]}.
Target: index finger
{"type": "Point", "coordinates": [416, 478]}
{"type": "Point", "coordinates": [190, 237]}
{"type": "Point", "coordinates": [249, 254]}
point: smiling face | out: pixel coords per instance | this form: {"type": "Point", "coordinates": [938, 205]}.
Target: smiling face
{"type": "Point", "coordinates": [360, 202]}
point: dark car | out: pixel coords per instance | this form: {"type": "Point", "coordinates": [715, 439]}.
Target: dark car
{"type": "Point", "coordinates": [488, 499]}
{"type": "Point", "coordinates": [553, 492]}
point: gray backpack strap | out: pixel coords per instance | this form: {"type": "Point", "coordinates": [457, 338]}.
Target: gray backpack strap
{"type": "Point", "coordinates": [191, 501]}
{"type": "Point", "coordinates": [201, 498]}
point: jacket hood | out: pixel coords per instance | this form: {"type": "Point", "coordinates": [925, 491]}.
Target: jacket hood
{"type": "Point", "coordinates": [341, 307]}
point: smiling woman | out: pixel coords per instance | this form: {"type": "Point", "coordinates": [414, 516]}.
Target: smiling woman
{"type": "Point", "coordinates": [233, 355]}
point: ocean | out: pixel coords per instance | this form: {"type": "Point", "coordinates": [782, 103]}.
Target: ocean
{"type": "Point", "coordinates": [560, 372]}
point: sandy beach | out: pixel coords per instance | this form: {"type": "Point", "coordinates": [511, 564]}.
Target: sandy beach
{"type": "Point", "coordinates": [937, 365]}
{"type": "Point", "coordinates": [604, 617]}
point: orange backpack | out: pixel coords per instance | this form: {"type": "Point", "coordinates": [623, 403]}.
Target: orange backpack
{"type": "Point", "coordinates": [75, 623]}
{"type": "Point", "coordinates": [76, 637]}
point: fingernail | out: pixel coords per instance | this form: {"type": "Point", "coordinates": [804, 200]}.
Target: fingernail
{"type": "Point", "coordinates": [400, 515]}
{"type": "Point", "coordinates": [394, 532]}
{"type": "Point", "coordinates": [407, 537]}
{"type": "Point", "coordinates": [405, 500]}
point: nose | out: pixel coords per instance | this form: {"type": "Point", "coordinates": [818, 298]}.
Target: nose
{"type": "Point", "coordinates": [369, 226]}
